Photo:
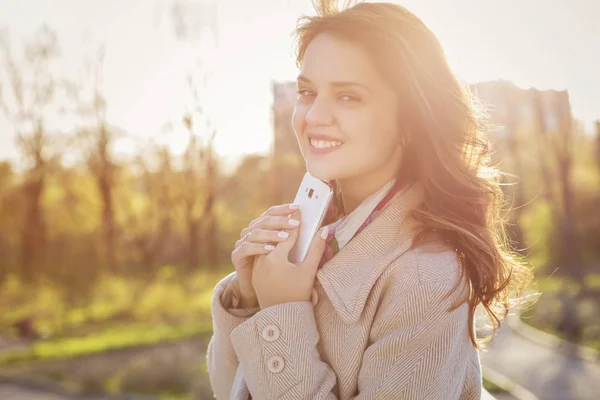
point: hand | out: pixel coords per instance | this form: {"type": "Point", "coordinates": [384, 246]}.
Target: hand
{"type": "Point", "coordinates": [278, 281]}
{"type": "Point", "coordinates": [259, 236]}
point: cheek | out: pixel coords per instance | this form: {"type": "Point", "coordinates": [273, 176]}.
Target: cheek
{"type": "Point", "coordinates": [363, 126]}
{"type": "Point", "coordinates": [299, 119]}
{"type": "Point", "coordinates": [372, 133]}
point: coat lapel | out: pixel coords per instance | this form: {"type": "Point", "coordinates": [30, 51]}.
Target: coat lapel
{"type": "Point", "coordinates": [350, 275]}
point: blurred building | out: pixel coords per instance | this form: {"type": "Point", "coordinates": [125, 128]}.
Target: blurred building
{"type": "Point", "coordinates": [514, 109]}
{"type": "Point", "coordinates": [531, 134]}
{"type": "Point", "coordinates": [511, 110]}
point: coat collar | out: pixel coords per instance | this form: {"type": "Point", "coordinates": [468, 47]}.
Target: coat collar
{"type": "Point", "coordinates": [349, 276]}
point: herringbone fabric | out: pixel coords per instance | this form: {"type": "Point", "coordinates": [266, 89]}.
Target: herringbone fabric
{"type": "Point", "coordinates": [380, 327]}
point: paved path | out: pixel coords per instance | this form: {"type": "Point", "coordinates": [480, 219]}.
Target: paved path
{"type": "Point", "coordinates": [547, 372]}
{"type": "Point", "coordinates": [15, 392]}
{"type": "Point", "coordinates": [18, 391]}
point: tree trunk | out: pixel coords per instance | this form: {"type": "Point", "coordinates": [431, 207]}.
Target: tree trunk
{"type": "Point", "coordinates": [33, 240]}
{"type": "Point", "coordinates": [543, 148]}
{"type": "Point", "coordinates": [193, 225]}
{"type": "Point", "coordinates": [570, 254]}
{"type": "Point", "coordinates": [104, 178]}
{"type": "Point", "coordinates": [108, 225]}
{"type": "Point", "coordinates": [564, 157]}
{"type": "Point", "coordinates": [515, 231]}
{"type": "Point", "coordinates": [598, 145]}
{"type": "Point", "coordinates": [209, 220]}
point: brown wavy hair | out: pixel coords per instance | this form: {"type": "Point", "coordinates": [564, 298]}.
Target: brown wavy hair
{"type": "Point", "coordinates": [447, 151]}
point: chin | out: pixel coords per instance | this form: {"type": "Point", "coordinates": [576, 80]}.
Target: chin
{"type": "Point", "coordinates": [334, 166]}
{"type": "Point", "coordinates": [324, 171]}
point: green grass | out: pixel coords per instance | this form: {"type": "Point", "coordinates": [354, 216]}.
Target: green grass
{"type": "Point", "coordinates": [593, 280]}
{"type": "Point", "coordinates": [594, 344]}
{"type": "Point", "coordinates": [171, 297]}
{"type": "Point", "coordinates": [117, 313]}
{"type": "Point", "coordinates": [550, 303]}
{"type": "Point", "coordinates": [492, 387]}
{"type": "Point", "coordinates": [109, 339]}
{"type": "Point", "coordinates": [173, 396]}
{"type": "Point", "coordinates": [587, 342]}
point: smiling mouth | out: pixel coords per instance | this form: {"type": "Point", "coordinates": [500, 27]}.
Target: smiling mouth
{"type": "Point", "coordinates": [322, 147]}
{"type": "Point", "coordinates": [324, 144]}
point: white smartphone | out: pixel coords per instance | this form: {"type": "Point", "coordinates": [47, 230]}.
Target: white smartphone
{"type": "Point", "coordinates": [313, 197]}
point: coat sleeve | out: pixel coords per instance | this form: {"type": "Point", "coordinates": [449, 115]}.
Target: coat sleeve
{"type": "Point", "coordinates": [221, 359]}
{"type": "Point", "coordinates": [417, 350]}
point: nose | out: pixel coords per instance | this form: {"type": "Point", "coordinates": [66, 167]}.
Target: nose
{"type": "Point", "coordinates": [320, 112]}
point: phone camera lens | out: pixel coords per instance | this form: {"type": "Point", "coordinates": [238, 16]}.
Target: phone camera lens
{"type": "Point", "coordinates": [310, 193]}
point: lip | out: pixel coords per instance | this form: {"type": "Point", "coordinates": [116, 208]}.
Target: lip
{"type": "Point", "coordinates": [322, 137]}
{"type": "Point", "coordinates": [324, 150]}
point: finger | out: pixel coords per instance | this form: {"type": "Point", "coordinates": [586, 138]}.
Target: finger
{"type": "Point", "coordinates": [283, 248]}
{"type": "Point", "coordinates": [285, 209]}
{"type": "Point", "coordinates": [251, 249]}
{"type": "Point", "coordinates": [272, 222]}
{"type": "Point", "coordinates": [316, 249]}
{"type": "Point", "coordinates": [282, 210]}
{"type": "Point", "coordinates": [264, 236]}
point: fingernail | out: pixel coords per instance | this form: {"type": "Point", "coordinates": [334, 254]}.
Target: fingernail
{"type": "Point", "coordinates": [283, 234]}
{"type": "Point", "coordinates": [325, 232]}
{"type": "Point", "coordinates": [269, 247]}
{"type": "Point", "coordinates": [294, 222]}
{"type": "Point", "coordinates": [294, 206]}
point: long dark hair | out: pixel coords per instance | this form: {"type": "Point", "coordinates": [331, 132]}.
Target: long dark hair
{"type": "Point", "coordinates": [447, 153]}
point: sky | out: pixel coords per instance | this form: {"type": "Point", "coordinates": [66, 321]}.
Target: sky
{"type": "Point", "coordinates": [533, 43]}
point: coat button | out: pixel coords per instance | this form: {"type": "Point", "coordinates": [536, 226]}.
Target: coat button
{"type": "Point", "coordinates": [275, 364]}
{"type": "Point", "coordinates": [270, 333]}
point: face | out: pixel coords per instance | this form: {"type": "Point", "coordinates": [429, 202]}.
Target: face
{"type": "Point", "coordinates": [346, 115]}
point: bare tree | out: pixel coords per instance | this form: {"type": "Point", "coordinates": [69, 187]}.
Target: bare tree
{"type": "Point", "coordinates": [27, 98]}
{"type": "Point", "coordinates": [190, 21]}
{"type": "Point", "coordinates": [7, 196]}
{"type": "Point", "coordinates": [201, 171]}
{"type": "Point", "coordinates": [556, 134]}
{"type": "Point", "coordinates": [211, 227]}
{"type": "Point", "coordinates": [157, 183]}
{"type": "Point", "coordinates": [543, 159]}
{"type": "Point", "coordinates": [96, 137]}
{"type": "Point", "coordinates": [514, 148]}
{"type": "Point", "coordinates": [191, 193]}
{"type": "Point", "coordinates": [189, 18]}
{"type": "Point", "coordinates": [556, 137]}
{"type": "Point", "coordinates": [598, 144]}
{"type": "Point", "coordinates": [563, 151]}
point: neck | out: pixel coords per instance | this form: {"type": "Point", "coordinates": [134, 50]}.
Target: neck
{"type": "Point", "coordinates": [356, 189]}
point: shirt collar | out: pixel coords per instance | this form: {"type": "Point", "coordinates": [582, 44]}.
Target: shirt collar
{"type": "Point", "coordinates": [349, 276]}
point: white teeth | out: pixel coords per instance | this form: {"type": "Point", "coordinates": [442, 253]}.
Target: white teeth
{"type": "Point", "coordinates": [321, 144]}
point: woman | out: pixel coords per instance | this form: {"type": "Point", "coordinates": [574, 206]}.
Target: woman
{"type": "Point", "coordinates": [383, 305]}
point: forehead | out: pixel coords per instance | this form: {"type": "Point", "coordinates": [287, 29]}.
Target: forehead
{"type": "Point", "coordinates": [328, 58]}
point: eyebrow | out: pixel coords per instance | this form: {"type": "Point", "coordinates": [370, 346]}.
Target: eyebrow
{"type": "Point", "coordinates": [336, 83]}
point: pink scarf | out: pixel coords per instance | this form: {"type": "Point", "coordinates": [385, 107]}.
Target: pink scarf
{"type": "Point", "coordinates": [345, 227]}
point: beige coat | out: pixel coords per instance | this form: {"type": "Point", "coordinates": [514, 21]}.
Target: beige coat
{"type": "Point", "coordinates": [377, 328]}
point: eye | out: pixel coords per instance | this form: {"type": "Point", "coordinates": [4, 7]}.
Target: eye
{"type": "Point", "coordinates": [349, 98]}
{"type": "Point", "coordinates": [305, 92]}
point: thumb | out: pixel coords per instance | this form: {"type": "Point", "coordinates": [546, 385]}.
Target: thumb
{"type": "Point", "coordinates": [316, 249]}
